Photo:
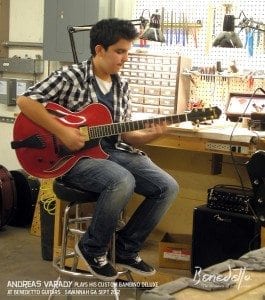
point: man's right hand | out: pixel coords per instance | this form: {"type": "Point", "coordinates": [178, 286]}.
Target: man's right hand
{"type": "Point", "coordinates": [72, 138]}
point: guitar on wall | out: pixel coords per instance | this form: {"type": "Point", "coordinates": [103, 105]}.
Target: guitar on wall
{"type": "Point", "coordinates": [42, 155]}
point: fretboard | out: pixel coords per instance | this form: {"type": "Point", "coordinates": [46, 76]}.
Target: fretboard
{"type": "Point", "coordinates": [117, 128]}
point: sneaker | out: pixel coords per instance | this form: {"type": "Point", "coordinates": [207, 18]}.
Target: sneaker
{"type": "Point", "coordinates": [136, 265]}
{"type": "Point", "coordinates": [98, 266]}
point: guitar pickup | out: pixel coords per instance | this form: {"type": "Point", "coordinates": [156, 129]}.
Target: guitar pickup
{"type": "Point", "coordinates": [34, 141]}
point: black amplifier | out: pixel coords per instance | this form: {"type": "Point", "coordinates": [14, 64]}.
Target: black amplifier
{"type": "Point", "coordinates": [220, 235]}
{"type": "Point", "coordinates": [230, 198]}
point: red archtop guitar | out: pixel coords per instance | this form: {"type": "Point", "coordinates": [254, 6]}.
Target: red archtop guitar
{"type": "Point", "coordinates": [42, 155]}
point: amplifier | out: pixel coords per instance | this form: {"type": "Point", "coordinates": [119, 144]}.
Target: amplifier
{"type": "Point", "coordinates": [218, 236]}
{"type": "Point", "coordinates": [230, 198]}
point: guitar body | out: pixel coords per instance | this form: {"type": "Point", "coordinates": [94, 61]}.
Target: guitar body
{"type": "Point", "coordinates": [48, 157]}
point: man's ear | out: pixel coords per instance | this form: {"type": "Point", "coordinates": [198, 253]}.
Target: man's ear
{"type": "Point", "coordinates": [99, 50]}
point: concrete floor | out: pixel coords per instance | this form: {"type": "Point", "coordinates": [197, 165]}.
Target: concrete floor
{"type": "Point", "coordinates": [21, 263]}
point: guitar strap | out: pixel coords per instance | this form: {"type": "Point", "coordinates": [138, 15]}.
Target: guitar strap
{"type": "Point", "coordinates": [7, 196]}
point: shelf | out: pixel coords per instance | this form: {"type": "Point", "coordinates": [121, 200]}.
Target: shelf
{"type": "Point", "coordinates": [181, 25]}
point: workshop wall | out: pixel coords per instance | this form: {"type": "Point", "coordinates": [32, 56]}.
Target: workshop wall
{"type": "Point", "coordinates": [26, 25]}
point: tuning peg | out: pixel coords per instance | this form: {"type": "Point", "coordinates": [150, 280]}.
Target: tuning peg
{"type": "Point", "coordinates": [196, 123]}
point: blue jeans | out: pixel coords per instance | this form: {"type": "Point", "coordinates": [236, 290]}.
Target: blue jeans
{"type": "Point", "coordinates": [116, 179]}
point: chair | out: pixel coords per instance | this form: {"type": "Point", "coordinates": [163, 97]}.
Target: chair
{"type": "Point", "coordinates": [256, 173]}
{"type": "Point", "coordinates": [67, 261]}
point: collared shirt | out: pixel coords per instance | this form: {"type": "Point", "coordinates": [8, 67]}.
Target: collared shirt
{"type": "Point", "coordinates": [74, 88]}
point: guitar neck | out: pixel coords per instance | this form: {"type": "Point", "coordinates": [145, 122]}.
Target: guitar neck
{"type": "Point", "coordinates": [117, 128]}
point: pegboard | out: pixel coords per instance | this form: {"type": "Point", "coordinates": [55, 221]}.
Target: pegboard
{"type": "Point", "coordinates": [211, 90]}
{"type": "Point", "coordinates": [215, 91]}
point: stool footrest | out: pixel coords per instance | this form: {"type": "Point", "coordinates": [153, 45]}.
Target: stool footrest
{"type": "Point", "coordinates": [75, 274]}
{"type": "Point", "coordinates": [77, 231]}
{"type": "Point", "coordinates": [79, 220]}
{"type": "Point", "coordinates": [79, 274]}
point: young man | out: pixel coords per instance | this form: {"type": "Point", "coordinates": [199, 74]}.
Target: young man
{"type": "Point", "coordinates": [127, 169]}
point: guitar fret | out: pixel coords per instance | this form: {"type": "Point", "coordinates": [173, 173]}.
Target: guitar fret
{"type": "Point", "coordinates": [100, 131]}
{"type": "Point", "coordinates": [112, 131]}
{"type": "Point", "coordinates": [108, 129]}
{"type": "Point", "coordinates": [115, 127]}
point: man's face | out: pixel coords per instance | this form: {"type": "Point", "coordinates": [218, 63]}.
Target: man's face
{"type": "Point", "coordinates": [112, 59]}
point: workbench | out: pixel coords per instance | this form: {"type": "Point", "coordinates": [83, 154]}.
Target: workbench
{"type": "Point", "coordinates": [218, 138]}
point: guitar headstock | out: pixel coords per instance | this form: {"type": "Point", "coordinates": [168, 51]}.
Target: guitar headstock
{"type": "Point", "coordinates": [202, 114]}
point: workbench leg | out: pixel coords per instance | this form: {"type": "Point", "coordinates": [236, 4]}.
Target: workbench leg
{"type": "Point", "coordinates": [217, 163]}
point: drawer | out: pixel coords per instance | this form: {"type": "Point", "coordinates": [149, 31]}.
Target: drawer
{"type": "Point", "coordinates": [149, 82]}
{"type": "Point", "coordinates": [150, 60]}
{"type": "Point", "coordinates": [133, 80]}
{"type": "Point", "coordinates": [137, 89]}
{"type": "Point", "coordinates": [166, 60]}
{"type": "Point", "coordinates": [143, 60]}
{"type": "Point", "coordinates": [157, 75]}
{"type": "Point", "coordinates": [137, 108]}
{"type": "Point", "coordinates": [152, 90]}
{"type": "Point", "coordinates": [149, 74]}
{"type": "Point", "coordinates": [127, 65]}
{"type": "Point", "coordinates": [134, 59]}
{"type": "Point", "coordinates": [167, 91]}
{"type": "Point", "coordinates": [134, 66]}
{"type": "Point", "coordinates": [139, 99]}
{"type": "Point", "coordinates": [166, 68]}
{"type": "Point", "coordinates": [166, 75]}
{"type": "Point", "coordinates": [126, 73]}
{"type": "Point", "coordinates": [142, 67]}
{"type": "Point", "coordinates": [151, 109]}
{"type": "Point", "coordinates": [151, 100]}
{"type": "Point", "coordinates": [166, 110]}
{"type": "Point", "coordinates": [150, 67]}
{"type": "Point", "coordinates": [134, 74]}
{"type": "Point", "coordinates": [167, 101]}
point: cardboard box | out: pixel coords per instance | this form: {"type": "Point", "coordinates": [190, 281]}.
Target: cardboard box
{"type": "Point", "coordinates": [175, 251]}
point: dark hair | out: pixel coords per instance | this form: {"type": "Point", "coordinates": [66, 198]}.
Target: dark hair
{"type": "Point", "coordinates": [109, 31]}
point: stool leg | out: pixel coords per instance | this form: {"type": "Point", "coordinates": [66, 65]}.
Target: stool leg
{"type": "Point", "coordinates": [116, 291]}
{"type": "Point", "coordinates": [51, 296]}
{"type": "Point", "coordinates": [128, 274]}
{"type": "Point", "coordinates": [64, 236]}
{"type": "Point", "coordinates": [76, 238]}
{"type": "Point", "coordinates": [112, 248]}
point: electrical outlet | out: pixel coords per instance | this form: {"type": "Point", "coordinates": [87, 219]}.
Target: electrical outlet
{"type": "Point", "coordinates": [227, 147]}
